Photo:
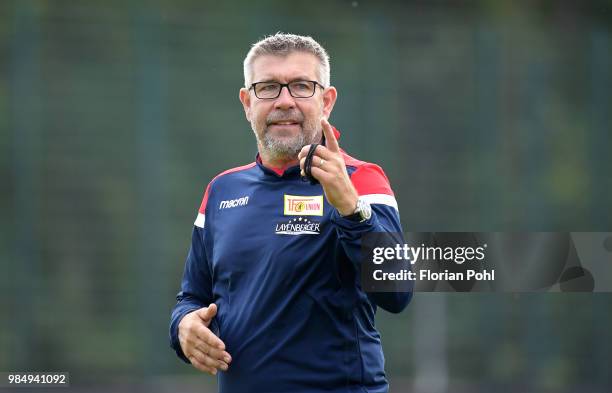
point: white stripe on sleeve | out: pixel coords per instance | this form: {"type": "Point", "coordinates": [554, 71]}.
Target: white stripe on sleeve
{"type": "Point", "coordinates": [382, 199]}
{"type": "Point", "coordinates": [199, 222]}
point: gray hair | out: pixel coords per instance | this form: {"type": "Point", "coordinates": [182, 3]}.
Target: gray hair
{"type": "Point", "coordinates": [281, 44]}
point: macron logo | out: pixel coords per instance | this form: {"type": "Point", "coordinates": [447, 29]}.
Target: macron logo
{"type": "Point", "coordinates": [234, 203]}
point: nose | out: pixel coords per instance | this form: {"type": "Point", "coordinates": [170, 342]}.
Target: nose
{"type": "Point", "coordinates": [284, 100]}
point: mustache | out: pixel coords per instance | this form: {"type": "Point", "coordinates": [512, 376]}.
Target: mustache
{"type": "Point", "coordinates": [278, 116]}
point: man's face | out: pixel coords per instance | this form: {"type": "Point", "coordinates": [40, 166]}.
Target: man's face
{"type": "Point", "coordinates": [285, 124]}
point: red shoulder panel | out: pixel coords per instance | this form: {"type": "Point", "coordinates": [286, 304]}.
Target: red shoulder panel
{"type": "Point", "coordinates": [232, 170]}
{"type": "Point", "coordinates": [368, 178]}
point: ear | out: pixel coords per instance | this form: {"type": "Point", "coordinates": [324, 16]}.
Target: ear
{"type": "Point", "coordinates": [245, 98]}
{"type": "Point", "coordinates": [329, 99]}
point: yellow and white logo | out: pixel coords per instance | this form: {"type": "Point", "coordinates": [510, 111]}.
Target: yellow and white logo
{"type": "Point", "coordinates": [303, 205]}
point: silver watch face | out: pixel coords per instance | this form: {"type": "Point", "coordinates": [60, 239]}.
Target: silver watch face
{"type": "Point", "coordinates": [364, 209]}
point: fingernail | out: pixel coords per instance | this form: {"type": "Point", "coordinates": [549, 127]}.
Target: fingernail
{"type": "Point", "coordinates": [224, 367]}
{"type": "Point", "coordinates": [227, 359]}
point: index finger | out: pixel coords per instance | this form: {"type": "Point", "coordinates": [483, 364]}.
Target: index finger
{"type": "Point", "coordinates": [209, 337]}
{"type": "Point", "coordinates": [330, 138]}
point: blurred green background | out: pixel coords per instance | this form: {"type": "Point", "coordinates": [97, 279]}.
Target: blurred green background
{"type": "Point", "coordinates": [114, 115]}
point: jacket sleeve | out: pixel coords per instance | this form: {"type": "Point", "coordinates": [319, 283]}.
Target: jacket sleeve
{"type": "Point", "coordinates": [372, 184]}
{"type": "Point", "coordinates": [196, 284]}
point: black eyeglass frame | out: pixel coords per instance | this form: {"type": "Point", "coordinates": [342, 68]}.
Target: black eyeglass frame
{"type": "Point", "coordinates": [253, 85]}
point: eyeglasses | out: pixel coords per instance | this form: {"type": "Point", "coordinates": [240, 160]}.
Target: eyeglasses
{"type": "Point", "coordinates": [297, 89]}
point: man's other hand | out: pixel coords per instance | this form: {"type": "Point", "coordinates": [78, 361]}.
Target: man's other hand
{"type": "Point", "coordinates": [201, 346]}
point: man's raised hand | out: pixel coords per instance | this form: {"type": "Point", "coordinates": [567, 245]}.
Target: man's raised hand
{"type": "Point", "coordinates": [329, 169]}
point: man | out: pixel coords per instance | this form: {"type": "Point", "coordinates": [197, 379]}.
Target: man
{"type": "Point", "coordinates": [271, 293]}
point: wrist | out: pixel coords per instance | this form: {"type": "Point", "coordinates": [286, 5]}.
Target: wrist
{"type": "Point", "coordinates": [349, 207]}
{"type": "Point", "coordinates": [362, 212]}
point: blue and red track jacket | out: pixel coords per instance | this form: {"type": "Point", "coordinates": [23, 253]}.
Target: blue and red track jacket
{"type": "Point", "coordinates": [283, 267]}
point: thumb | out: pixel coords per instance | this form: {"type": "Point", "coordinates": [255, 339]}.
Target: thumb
{"type": "Point", "coordinates": [208, 313]}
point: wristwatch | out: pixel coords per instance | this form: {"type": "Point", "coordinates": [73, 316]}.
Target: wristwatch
{"type": "Point", "coordinates": [362, 213]}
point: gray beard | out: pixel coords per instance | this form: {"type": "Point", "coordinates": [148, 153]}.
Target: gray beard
{"type": "Point", "coordinates": [285, 149]}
